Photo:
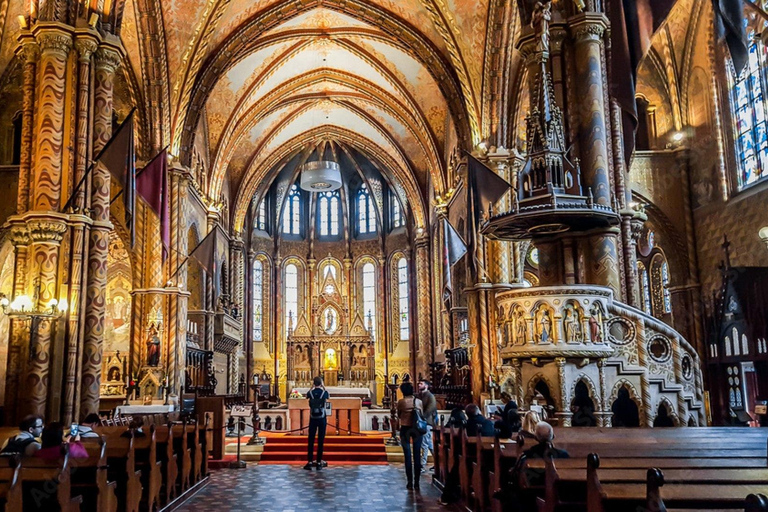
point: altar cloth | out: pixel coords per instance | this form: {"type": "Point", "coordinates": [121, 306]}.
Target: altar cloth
{"type": "Point", "coordinates": [339, 392]}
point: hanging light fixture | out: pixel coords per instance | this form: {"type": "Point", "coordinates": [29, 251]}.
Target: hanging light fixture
{"type": "Point", "coordinates": [320, 176]}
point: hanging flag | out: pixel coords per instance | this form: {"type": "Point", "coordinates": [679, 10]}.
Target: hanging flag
{"type": "Point", "coordinates": [118, 157]}
{"type": "Point", "coordinates": [453, 250]}
{"type": "Point", "coordinates": [486, 187]}
{"type": "Point", "coordinates": [633, 23]}
{"type": "Point", "coordinates": [729, 27]}
{"type": "Point", "coordinates": [205, 253]}
{"type": "Point", "coordinates": [152, 186]}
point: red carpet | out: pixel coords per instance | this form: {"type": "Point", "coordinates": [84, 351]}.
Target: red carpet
{"type": "Point", "coordinates": [337, 450]}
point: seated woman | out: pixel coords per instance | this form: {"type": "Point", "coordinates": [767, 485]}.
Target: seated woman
{"type": "Point", "coordinates": [53, 442]}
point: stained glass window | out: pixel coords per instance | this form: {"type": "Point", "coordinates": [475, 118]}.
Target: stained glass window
{"type": "Point", "coordinates": [369, 297]}
{"type": "Point", "coordinates": [402, 296]}
{"type": "Point", "coordinates": [645, 287]}
{"type": "Point", "coordinates": [328, 206]}
{"type": "Point", "coordinates": [366, 213]}
{"type": "Point", "coordinates": [291, 296]}
{"type": "Point", "coordinates": [258, 299]}
{"type": "Point", "coordinates": [749, 112]}
{"type": "Point", "coordinates": [397, 214]}
{"type": "Point", "coordinates": [292, 213]}
{"type": "Point", "coordinates": [665, 285]}
{"type": "Point", "coordinates": [261, 217]}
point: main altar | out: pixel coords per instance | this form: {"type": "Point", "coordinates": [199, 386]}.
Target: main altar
{"type": "Point", "coordinates": [333, 342]}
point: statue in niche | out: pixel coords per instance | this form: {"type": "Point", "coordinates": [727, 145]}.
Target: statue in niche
{"type": "Point", "coordinates": [542, 15]}
{"type": "Point", "coordinates": [571, 324]}
{"type": "Point", "coordinates": [330, 321]}
{"type": "Point", "coordinates": [545, 325]}
{"type": "Point", "coordinates": [596, 324]}
{"type": "Point", "coordinates": [521, 328]}
{"type": "Point", "coordinates": [114, 374]}
{"type": "Point", "coordinates": [153, 348]}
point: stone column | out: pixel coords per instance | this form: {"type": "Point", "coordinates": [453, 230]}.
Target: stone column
{"type": "Point", "coordinates": [517, 376]}
{"type": "Point", "coordinates": [236, 247]}
{"type": "Point", "coordinates": [107, 61]}
{"type": "Point", "coordinates": [86, 44]}
{"type": "Point", "coordinates": [565, 412]}
{"type": "Point", "coordinates": [29, 52]}
{"type": "Point", "coordinates": [18, 338]}
{"type": "Point", "coordinates": [423, 306]}
{"type": "Point", "coordinates": [604, 419]}
{"type": "Point", "coordinates": [179, 180]}
{"type": "Point", "coordinates": [248, 339]}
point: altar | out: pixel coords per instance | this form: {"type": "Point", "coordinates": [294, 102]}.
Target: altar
{"type": "Point", "coordinates": [344, 419]}
{"type": "Point", "coordinates": [342, 392]}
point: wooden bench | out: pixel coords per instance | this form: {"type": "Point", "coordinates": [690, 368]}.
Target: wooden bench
{"type": "Point", "coordinates": [90, 478]}
{"type": "Point", "coordinates": [168, 461]}
{"type": "Point", "coordinates": [47, 484]}
{"type": "Point", "coordinates": [121, 461]}
{"type": "Point", "coordinates": [151, 468]}
{"type": "Point", "coordinates": [183, 455]}
{"type": "Point", "coordinates": [11, 494]}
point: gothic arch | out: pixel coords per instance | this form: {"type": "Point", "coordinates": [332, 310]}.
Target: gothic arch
{"type": "Point", "coordinates": [530, 389]}
{"type": "Point", "coordinates": [633, 395]}
{"type": "Point", "coordinates": [670, 409]}
{"type": "Point", "coordinates": [591, 389]}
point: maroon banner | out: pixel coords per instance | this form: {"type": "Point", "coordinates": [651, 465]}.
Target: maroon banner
{"type": "Point", "coordinates": [152, 186]}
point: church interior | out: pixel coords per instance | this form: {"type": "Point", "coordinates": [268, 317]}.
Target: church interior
{"type": "Point", "coordinates": [560, 201]}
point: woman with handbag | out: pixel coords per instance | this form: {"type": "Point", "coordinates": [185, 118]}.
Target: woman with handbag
{"type": "Point", "coordinates": [412, 427]}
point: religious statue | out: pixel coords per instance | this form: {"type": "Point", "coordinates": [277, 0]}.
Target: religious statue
{"type": "Point", "coordinates": [571, 325]}
{"type": "Point", "coordinates": [153, 348]}
{"type": "Point", "coordinates": [542, 14]}
{"type": "Point", "coordinates": [330, 359]}
{"type": "Point", "coordinates": [521, 328]}
{"type": "Point", "coordinates": [114, 374]}
{"type": "Point", "coordinates": [595, 324]}
{"type": "Point", "coordinates": [330, 321]}
{"type": "Point", "coordinates": [545, 325]}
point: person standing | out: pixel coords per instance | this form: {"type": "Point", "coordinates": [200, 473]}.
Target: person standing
{"type": "Point", "coordinates": [430, 414]}
{"type": "Point", "coordinates": [406, 415]}
{"type": "Point", "coordinates": [317, 422]}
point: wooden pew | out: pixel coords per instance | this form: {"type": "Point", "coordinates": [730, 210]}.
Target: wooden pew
{"type": "Point", "coordinates": [151, 468]}
{"type": "Point", "coordinates": [121, 459]}
{"type": "Point", "coordinates": [11, 495]}
{"type": "Point", "coordinates": [48, 484]}
{"type": "Point", "coordinates": [90, 478]}
{"type": "Point", "coordinates": [481, 467]}
{"type": "Point", "coordinates": [437, 441]}
{"type": "Point", "coordinates": [168, 461]}
{"type": "Point", "coordinates": [465, 460]}
{"type": "Point", "coordinates": [505, 455]}
{"type": "Point", "coordinates": [183, 455]}
{"type": "Point", "coordinates": [196, 452]}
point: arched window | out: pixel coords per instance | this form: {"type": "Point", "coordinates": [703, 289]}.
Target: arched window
{"type": "Point", "coordinates": [659, 280]}
{"type": "Point", "coordinates": [291, 296]}
{"type": "Point", "coordinates": [665, 287]}
{"type": "Point", "coordinates": [366, 214]}
{"type": "Point", "coordinates": [261, 216]}
{"type": "Point", "coordinates": [292, 212]}
{"type": "Point", "coordinates": [258, 299]}
{"type": "Point", "coordinates": [398, 220]}
{"type": "Point", "coordinates": [328, 206]}
{"type": "Point", "coordinates": [749, 113]}
{"type": "Point", "coordinates": [369, 297]}
{"type": "Point", "coordinates": [402, 296]}
{"type": "Point", "coordinates": [645, 287]}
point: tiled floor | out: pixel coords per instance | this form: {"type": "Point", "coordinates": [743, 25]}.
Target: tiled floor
{"type": "Point", "coordinates": [275, 488]}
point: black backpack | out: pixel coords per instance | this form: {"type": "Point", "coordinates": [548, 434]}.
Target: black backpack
{"type": "Point", "coordinates": [18, 445]}
{"type": "Point", "coordinates": [316, 405]}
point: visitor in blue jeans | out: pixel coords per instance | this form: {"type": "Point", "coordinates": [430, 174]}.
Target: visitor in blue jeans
{"type": "Point", "coordinates": [409, 434]}
{"type": "Point", "coordinates": [317, 397]}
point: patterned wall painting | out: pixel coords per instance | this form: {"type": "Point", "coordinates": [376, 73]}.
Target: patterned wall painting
{"type": "Point", "coordinates": [6, 287]}
{"type": "Point", "coordinates": [117, 328]}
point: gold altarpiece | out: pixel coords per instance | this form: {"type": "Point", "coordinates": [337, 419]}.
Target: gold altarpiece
{"type": "Point", "coordinates": [330, 341]}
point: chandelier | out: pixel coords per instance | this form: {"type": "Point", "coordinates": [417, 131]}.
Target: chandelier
{"type": "Point", "coordinates": [320, 176]}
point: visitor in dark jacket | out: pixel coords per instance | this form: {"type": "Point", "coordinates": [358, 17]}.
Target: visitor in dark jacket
{"type": "Point", "coordinates": [477, 423]}
{"type": "Point", "coordinates": [26, 441]}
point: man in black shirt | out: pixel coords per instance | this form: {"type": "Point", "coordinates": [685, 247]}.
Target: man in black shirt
{"type": "Point", "coordinates": [317, 422]}
{"type": "Point", "coordinates": [477, 423]}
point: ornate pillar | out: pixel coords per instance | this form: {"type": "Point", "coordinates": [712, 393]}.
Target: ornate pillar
{"type": "Point", "coordinates": [646, 415]}
{"type": "Point", "coordinates": [29, 52]}
{"type": "Point", "coordinates": [423, 306]}
{"type": "Point", "coordinates": [517, 375]}
{"type": "Point", "coordinates": [107, 61]}
{"type": "Point", "coordinates": [604, 419]}
{"type": "Point", "coordinates": [236, 247]}
{"type": "Point", "coordinates": [18, 335]}
{"type": "Point", "coordinates": [86, 44]}
{"type": "Point", "coordinates": [565, 412]}
{"type": "Point", "coordinates": [179, 180]}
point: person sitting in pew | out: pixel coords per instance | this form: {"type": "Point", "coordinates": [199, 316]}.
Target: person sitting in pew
{"type": "Point", "coordinates": [544, 434]}
{"type": "Point", "coordinates": [53, 442]}
{"type": "Point", "coordinates": [26, 441]}
{"type": "Point", "coordinates": [457, 419]}
{"type": "Point", "coordinates": [85, 429]}
{"type": "Point", "coordinates": [134, 429]}
{"type": "Point", "coordinates": [508, 420]}
{"type": "Point", "coordinates": [476, 422]}
{"type": "Point", "coordinates": [451, 488]}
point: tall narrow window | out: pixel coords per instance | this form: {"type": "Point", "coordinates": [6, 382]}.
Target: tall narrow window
{"type": "Point", "coordinates": [749, 109]}
{"type": "Point", "coordinates": [366, 213]}
{"type": "Point", "coordinates": [261, 217]}
{"type": "Point", "coordinates": [258, 299]}
{"type": "Point", "coordinates": [645, 288]}
{"type": "Point", "coordinates": [369, 297]}
{"type": "Point", "coordinates": [397, 214]}
{"type": "Point", "coordinates": [328, 213]}
{"type": "Point", "coordinates": [665, 285]}
{"type": "Point", "coordinates": [292, 212]}
{"type": "Point", "coordinates": [402, 297]}
{"type": "Point", "coordinates": [291, 297]}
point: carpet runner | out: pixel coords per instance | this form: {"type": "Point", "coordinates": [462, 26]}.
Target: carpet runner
{"type": "Point", "coordinates": [358, 450]}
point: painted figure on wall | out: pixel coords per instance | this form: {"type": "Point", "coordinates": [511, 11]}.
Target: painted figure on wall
{"type": "Point", "coordinates": [521, 328]}
{"type": "Point", "coordinates": [596, 324]}
{"type": "Point", "coordinates": [545, 325]}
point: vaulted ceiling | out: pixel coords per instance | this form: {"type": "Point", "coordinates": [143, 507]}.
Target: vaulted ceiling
{"type": "Point", "coordinates": [248, 82]}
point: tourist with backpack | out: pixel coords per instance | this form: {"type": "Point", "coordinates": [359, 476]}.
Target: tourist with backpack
{"type": "Point", "coordinates": [26, 441]}
{"type": "Point", "coordinates": [413, 426]}
{"type": "Point", "coordinates": [317, 422]}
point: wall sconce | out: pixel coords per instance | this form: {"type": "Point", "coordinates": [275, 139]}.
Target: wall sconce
{"type": "Point", "coordinates": [93, 20]}
{"type": "Point", "coordinates": [23, 308]}
{"type": "Point", "coordinates": [764, 235]}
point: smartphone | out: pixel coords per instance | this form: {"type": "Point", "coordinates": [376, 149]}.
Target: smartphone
{"type": "Point", "coordinates": [74, 429]}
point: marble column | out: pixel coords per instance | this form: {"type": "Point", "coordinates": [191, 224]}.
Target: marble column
{"type": "Point", "coordinates": [107, 62]}
{"type": "Point", "coordinates": [423, 307]}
